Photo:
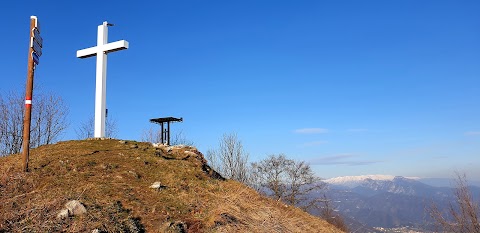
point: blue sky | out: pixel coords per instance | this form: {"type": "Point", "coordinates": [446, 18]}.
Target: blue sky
{"type": "Point", "coordinates": [354, 87]}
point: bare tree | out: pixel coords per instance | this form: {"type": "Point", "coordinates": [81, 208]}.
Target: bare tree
{"type": "Point", "coordinates": [86, 129]}
{"type": "Point", "coordinates": [213, 159]}
{"type": "Point", "coordinates": [231, 159]}
{"type": "Point", "coordinates": [287, 180]}
{"type": "Point", "coordinates": [151, 135]}
{"type": "Point", "coordinates": [11, 121]}
{"type": "Point", "coordinates": [461, 216]}
{"type": "Point", "coordinates": [302, 183]}
{"type": "Point", "coordinates": [328, 213]}
{"type": "Point", "coordinates": [3, 125]}
{"type": "Point", "coordinates": [48, 121]}
{"type": "Point", "coordinates": [271, 174]}
{"type": "Point", "coordinates": [155, 136]}
{"type": "Point", "coordinates": [179, 138]}
{"type": "Point", "coordinates": [111, 129]}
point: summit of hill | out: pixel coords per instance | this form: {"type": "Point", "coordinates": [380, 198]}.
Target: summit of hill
{"type": "Point", "coordinates": [128, 186]}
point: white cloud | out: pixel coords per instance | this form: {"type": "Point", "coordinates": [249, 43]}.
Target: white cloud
{"type": "Point", "coordinates": [473, 133]}
{"type": "Point", "coordinates": [310, 131]}
{"type": "Point", "coordinates": [343, 159]}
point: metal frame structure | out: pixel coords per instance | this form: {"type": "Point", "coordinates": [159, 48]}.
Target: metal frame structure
{"type": "Point", "coordinates": [165, 135]}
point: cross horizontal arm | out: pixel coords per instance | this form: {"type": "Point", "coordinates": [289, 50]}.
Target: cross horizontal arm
{"type": "Point", "coordinates": [89, 52]}
{"type": "Point", "coordinates": [107, 48]}
{"type": "Point", "coordinates": [115, 46]}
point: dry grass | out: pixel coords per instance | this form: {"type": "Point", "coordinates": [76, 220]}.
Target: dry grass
{"type": "Point", "coordinates": [112, 180]}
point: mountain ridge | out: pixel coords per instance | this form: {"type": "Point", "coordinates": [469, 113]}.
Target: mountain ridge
{"type": "Point", "coordinates": [352, 181]}
{"type": "Point", "coordinates": [390, 201]}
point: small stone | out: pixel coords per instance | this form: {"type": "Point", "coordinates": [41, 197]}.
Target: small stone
{"type": "Point", "coordinates": [63, 214]}
{"type": "Point", "coordinates": [134, 174]}
{"type": "Point", "coordinates": [158, 145]}
{"type": "Point", "coordinates": [179, 227]}
{"type": "Point", "coordinates": [134, 146]}
{"type": "Point", "coordinates": [96, 231]}
{"type": "Point", "coordinates": [75, 208]}
{"type": "Point", "coordinates": [158, 186]}
{"type": "Point", "coordinates": [190, 153]}
{"type": "Point", "coordinates": [122, 142]}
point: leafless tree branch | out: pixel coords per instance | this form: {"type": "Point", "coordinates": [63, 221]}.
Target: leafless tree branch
{"type": "Point", "coordinates": [462, 215]}
{"type": "Point", "coordinates": [86, 129]}
{"type": "Point", "coordinates": [49, 114]}
{"type": "Point", "coordinates": [231, 159]}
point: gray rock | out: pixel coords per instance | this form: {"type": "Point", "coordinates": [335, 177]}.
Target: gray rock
{"type": "Point", "coordinates": [157, 186]}
{"type": "Point", "coordinates": [177, 227]}
{"type": "Point", "coordinates": [63, 214]}
{"type": "Point", "coordinates": [134, 174]}
{"type": "Point", "coordinates": [75, 208]}
{"type": "Point", "coordinates": [158, 145]}
{"type": "Point", "coordinates": [190, 153]}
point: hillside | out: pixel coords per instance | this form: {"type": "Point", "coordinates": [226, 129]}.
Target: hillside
{"type": "Point", "coordinates": [113, 180]}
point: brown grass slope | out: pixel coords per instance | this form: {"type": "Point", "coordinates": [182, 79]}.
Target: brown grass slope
{"type": "Point", "coordinates": [112, 180]}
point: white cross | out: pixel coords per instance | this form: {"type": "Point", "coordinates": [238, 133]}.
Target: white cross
{"type": "Point", "coordinates": [101, 50]}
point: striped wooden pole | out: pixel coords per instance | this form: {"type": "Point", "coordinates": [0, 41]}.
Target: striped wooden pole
{"type": "Point", "coordinates": [29, 88]}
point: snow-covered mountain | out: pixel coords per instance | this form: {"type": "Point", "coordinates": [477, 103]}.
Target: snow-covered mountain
{"type": "Point", "coordinates": [388, 201]}
{"type": "Point", "coordinates": [354, 181]}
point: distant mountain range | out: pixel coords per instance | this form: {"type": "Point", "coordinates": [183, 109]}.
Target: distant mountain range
{"type": "Point", "coordinates": [353, 181]}
{"type": "Point", "coordinates": [389, 201]}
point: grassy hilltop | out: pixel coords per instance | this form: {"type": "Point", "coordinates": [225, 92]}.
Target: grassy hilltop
{"type": "Point", "coordinates": [112, 179]}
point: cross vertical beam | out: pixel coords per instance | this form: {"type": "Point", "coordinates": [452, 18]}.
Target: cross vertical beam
{"type": "Point", "coordinates": [101, 83]}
